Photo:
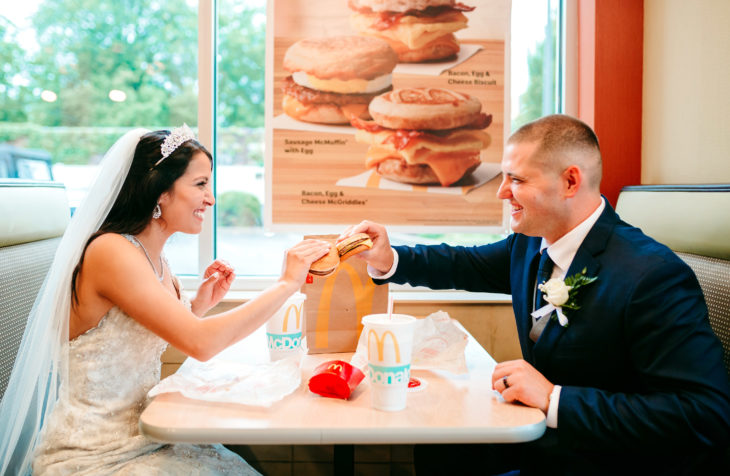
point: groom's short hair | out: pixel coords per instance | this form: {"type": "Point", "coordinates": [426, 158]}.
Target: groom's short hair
{"type": "Point", "coordinates": [563, 141]}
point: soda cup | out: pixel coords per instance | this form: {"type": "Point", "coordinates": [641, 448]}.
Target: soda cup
{"type": "Point", "coordinates": [284, 328]}
{"type": "Point", "coordinates": [389, 342]}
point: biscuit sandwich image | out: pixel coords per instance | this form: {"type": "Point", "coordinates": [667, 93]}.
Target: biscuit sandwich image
{"type": "Point", "coordinates": [346, 248]}
{"type": "Point", "coordinates": [418, 30]}
{"type": "Point", "coordinates": [334, 79]}
{"type": "Point", "coordinates": [424, 135]}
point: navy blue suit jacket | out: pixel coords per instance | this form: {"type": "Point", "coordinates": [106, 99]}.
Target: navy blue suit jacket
{"type": "Point", "coordinates": [639, 365]}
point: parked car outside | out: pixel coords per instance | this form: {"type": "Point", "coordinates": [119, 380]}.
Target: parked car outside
{"type": "Point", "coordinates": [30, 164]}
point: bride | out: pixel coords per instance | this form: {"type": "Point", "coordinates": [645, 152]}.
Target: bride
{"type": "Point", "coordinates": [109, 307]}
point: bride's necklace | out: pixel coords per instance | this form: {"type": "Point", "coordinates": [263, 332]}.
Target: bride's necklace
{"type": "Point", "coordinates": [160, 276]}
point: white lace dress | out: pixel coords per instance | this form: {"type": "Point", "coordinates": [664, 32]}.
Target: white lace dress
{"type": "Point", "coordinates": [93, 428]}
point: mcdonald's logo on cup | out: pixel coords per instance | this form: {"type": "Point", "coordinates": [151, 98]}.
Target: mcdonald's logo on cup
{"type": "Point", "coordinates": [296, 310]}
{"type": "Point", "coordinates": [380, 346]}
{"type": "Point", "coordinates": [284, 328]}
{"type": "Point", "coordinates": [390, 342]}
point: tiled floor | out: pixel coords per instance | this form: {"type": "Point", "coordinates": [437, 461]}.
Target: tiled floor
{"type": "Point", "coordinates": [318, 460]}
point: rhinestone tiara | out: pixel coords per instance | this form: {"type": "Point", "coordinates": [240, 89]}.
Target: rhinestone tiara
{"type": "Point", "coordinates": [177, 137]}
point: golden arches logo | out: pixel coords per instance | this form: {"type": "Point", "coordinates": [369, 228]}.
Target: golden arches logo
{"type": "Point", "coordinates": [298, 314]}
{"type": "Point", "coordinates": [380, 344]}
{"type": "Point", "coordinates": [363, 301]}
{"type": "Point", "coordinates": [336, 367]}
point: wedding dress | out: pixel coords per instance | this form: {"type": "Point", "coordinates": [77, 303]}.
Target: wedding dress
{"type": "Point", "coordinates": [93, 428]}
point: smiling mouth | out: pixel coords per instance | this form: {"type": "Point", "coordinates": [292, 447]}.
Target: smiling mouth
{"type": "Point", "coordinates": [516, 208]}
{"type": "Point", "coordinates": [199, 213]}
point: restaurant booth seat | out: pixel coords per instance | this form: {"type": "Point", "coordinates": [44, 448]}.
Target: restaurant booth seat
{"type": "Point", "coordinates": [694, 221]}
{"type": "Point", "coordinates": [33, 216]}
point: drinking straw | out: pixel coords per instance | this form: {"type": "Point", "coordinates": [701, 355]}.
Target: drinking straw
{"type": "Point", "coordinates": [390, 306]}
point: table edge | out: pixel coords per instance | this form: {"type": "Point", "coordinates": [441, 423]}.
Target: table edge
{"type": "Point", "coordinates": [299, 436]}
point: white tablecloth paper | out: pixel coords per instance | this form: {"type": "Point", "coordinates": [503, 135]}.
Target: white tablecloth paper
{"type": "Point", "coordinates": [220, 380]}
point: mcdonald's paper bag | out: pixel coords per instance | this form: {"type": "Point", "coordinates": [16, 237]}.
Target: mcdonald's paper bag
{"type": "Point", "coordinates": [337, 303]}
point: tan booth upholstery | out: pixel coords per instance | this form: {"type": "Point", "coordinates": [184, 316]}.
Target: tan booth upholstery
{"type": "Point", "coordinates": [33, 216]}
{"type": "Point", "coordinates": [694, 221]}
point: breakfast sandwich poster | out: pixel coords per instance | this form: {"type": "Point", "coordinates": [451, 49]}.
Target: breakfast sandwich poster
{"type": "Point", "coordinates": [392, 116]}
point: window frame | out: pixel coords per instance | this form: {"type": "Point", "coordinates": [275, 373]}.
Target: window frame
{"type": "Point", "coordinates": [207, 54]}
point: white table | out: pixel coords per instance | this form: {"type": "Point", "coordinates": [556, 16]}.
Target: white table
{"type": "Point", "coordinates": [450, 409]}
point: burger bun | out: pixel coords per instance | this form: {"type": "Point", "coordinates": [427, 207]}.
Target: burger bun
{"type": "Point", "coordinates": [424, 108]}
{"type": "Point", "coordinates": [327, 264]}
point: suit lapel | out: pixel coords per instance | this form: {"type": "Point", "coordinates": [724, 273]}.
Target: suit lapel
{"type": "Point", "coordinates": [525, 324]}
{"type": "Point", "coordinates": [585, 257]}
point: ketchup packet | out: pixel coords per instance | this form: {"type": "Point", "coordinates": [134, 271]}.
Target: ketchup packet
{"type": "Point", "coordinates": [335, 379]}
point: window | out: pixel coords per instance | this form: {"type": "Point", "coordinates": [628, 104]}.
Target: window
{"type": "Point", "coordinates": [76, 75]}
{"type": "Point", "coordinates": [239, 235]}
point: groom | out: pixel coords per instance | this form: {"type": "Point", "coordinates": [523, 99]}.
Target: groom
{"type": "Point", "coordinates": [631, 378]}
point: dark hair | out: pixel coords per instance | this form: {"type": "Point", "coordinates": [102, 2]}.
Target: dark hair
{"type": "Point", "coordinates": [142, 187]}
{"type": "Point", "coordinates": [557, 134]}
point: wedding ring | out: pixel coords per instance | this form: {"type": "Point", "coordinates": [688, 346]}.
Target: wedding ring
{"type": "Point", "coordinates": [504, 381]}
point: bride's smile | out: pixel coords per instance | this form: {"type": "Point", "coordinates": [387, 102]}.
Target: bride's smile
{"type": "Point", "coordinates": [183, 208]}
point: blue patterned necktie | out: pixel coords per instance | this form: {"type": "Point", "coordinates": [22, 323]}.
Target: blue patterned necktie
{"type": "Point", "coordinates": [544, 271]}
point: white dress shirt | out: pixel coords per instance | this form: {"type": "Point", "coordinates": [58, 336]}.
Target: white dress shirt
{"type": "Point", "coordinates": [562, 253]}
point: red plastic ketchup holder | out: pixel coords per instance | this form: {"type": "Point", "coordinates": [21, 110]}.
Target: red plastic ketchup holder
{"type": "Point", "coordinates": [335, 379]}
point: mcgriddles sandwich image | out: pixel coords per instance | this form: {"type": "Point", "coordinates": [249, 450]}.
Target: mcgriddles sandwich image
{"type": "Point", "coordinates": [424, 135]}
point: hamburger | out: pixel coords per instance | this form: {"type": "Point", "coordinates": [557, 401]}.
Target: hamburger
{"type": "Point", "coordinates": [346, 248]}
{"type": "Point", "coordinates": [327, 264]}
{"type": "Point", "coordinates": [353, 245]}
{"type": "Point", "coordinates": [424, 135]}
{"type": "Point", "coordinates": [333, 79]}
{"type": "Point", "coordinates": [418, 30]}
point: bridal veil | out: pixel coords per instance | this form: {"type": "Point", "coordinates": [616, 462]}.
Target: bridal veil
{"type": "Point", "coordinates": [41, 363]}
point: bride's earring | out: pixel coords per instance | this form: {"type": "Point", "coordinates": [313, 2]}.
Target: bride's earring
{"type": "Point", "coordinates": [157, 213]}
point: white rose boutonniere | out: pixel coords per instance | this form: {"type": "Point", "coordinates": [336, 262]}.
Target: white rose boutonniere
{"type": "Point", "coordinates": [562, 294]}
{"type": "Point", "coordinates": [556, 292]}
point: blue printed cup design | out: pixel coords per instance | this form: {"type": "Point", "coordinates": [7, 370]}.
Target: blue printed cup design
{"type": "Point", "coordinates": [284, 328]}
{"type": "Point", "coordinates": [284, 341]}
{"type": "Point", "coordinates": [389, 375]}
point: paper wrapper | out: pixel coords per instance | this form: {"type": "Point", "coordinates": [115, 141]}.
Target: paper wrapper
{"type": "Point", "coordinates": [335, 379]}
{"type": "Point", "coordinates": [438, 344]}
{"type": "Point", "coordinates": [234, 382]}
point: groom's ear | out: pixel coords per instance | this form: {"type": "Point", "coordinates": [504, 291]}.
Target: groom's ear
{"type": "Point", "coordinates": [572, 178]}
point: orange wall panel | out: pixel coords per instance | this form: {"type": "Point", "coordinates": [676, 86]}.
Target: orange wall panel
{"type": "Point", "coordinates": [611, 35]}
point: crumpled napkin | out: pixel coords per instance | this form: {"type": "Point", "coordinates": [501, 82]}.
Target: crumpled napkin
{"type": "Point", "coordinates": [438, 344]}
{"type": "Point", "coordinates": [234, 382]}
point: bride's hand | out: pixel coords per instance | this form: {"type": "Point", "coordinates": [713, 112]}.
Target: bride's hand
{"type": "Point", "coordinates": [217, 280]}
{"type": "Point", "coordinates": [299, 258]}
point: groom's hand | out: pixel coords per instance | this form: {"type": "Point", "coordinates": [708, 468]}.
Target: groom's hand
{"type": "Point", "coordinates": [380, 256]}
{"type": "Point", "coordinates": [519, 381]}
